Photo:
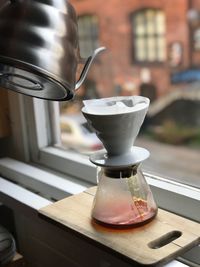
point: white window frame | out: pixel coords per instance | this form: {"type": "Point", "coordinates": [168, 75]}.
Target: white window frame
{"type": "Point", "coordinates": [33, 143]}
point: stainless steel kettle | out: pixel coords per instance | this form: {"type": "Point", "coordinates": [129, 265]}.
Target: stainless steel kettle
{"type": "Point", "coordinates": [39, 50]}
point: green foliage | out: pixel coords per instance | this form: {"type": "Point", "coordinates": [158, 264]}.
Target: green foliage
{"type": "Point", "coordinates": [172, 133]}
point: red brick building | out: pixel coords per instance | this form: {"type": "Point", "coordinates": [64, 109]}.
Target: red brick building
{"type": "Point", "coordinates": [146, 40]}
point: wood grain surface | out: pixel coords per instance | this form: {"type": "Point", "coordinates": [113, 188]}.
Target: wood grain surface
{"type": "Point", "coordinates": [144, 245]}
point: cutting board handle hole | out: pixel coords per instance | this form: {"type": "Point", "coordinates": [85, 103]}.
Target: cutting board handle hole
{"type": "Point", "coordinates": [164, 240]}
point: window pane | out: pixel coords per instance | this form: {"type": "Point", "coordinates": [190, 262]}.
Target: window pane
{"type": "Point", "coordinates": [151, 48]}
{"type": "Point", "coordinates": [196, 37]}
{"type": "Point", "coordinates": [140, 25]}
{"type": "Point", "coordinates": [140, 49]}
{"type": "Point", "coordinates": [150, 17]}
{"type": "Point", "coordinates": [149, 23]}
{"type": "Point", "coordinates": [172, 122]}
{"type": "Point", "coordinates": [160, 23]}
{"type": "Point", "coordinates": [88, 34]}
{"type": "Point", "coordinates": [87, 47]}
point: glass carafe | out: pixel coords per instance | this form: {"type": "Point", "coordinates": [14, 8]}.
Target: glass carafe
{"type": "Point", "coordinates": [123, 197]}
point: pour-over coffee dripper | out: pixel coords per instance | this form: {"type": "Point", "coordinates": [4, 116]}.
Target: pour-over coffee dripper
{"type": "Point", "coordinates": [123, 197]}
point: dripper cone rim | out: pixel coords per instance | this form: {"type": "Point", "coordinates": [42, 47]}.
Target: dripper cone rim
{"type": "Point", "coordinates": [135, 156]}
{"type": "Point", "coordinates": [145, 99]}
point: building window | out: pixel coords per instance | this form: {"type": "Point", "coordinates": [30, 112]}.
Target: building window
{"type": "Point", "coordinates": [88, 34]}
{"type": "Point", "coordinates": [148, 28]}
{"type": "Point", "coordinates": [196, 39]}
{"type": "Point", "coordinates": [175, 54]}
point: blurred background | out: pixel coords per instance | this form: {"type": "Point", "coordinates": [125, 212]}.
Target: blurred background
{"type": "Point", "coordinates": [153, 50]}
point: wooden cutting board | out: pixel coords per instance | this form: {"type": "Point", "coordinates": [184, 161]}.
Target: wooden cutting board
{"type": "Point", "coordinates": [145, 245]}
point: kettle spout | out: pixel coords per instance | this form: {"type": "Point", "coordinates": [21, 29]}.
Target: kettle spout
{"type": "Point", "coordinates": [87, 66]}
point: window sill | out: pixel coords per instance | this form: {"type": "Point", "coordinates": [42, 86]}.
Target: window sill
{"type": "Point", "coordinates": [46, 183]}
{"type": "Point", "coordinates": [172, 196]}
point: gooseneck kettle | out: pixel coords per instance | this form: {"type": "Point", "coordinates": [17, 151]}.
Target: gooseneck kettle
{"type": "Point", "coordinates": [39, 51]}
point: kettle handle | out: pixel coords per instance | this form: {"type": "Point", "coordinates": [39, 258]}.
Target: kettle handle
{"type": "Point", "coordinates": [87, 66]}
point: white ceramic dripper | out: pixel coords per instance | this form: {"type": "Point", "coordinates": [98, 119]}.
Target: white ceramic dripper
{"type": "Point", "coordinates": [117, 126]}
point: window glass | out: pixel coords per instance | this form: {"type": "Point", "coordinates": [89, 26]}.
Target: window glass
{"type": "Point", "coordinates": [140, 28]}
{"type": "Point", "coordinates": [149, 24]}
{"type": "Point", "coordinates": [65, 128]}
{"type": "Point", "coordinates": [151, 46]}
{"type": "Point", "coordinates": [171, 128]}
{"type": "Point", "coordinates": [140, 48]}
{"type": "Point", "coordinates": [88, 34]}
{"type": "Point", "coordinates": [160, 23]}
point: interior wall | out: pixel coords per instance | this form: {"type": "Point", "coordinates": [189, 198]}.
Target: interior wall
{"type": "Point", "coordinates": [43, 244]}
{"type": "Point", "coordinates": [4, 147]}
{"type": "Point", "coordinates": [5, 129]}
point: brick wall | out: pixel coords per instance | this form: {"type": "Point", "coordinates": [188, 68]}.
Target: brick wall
{"type": "Point", "coordinates": [116, 66]}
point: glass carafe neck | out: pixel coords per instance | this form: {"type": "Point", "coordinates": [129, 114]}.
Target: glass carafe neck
{"type": "Point", "coordinates": [123, 172]}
